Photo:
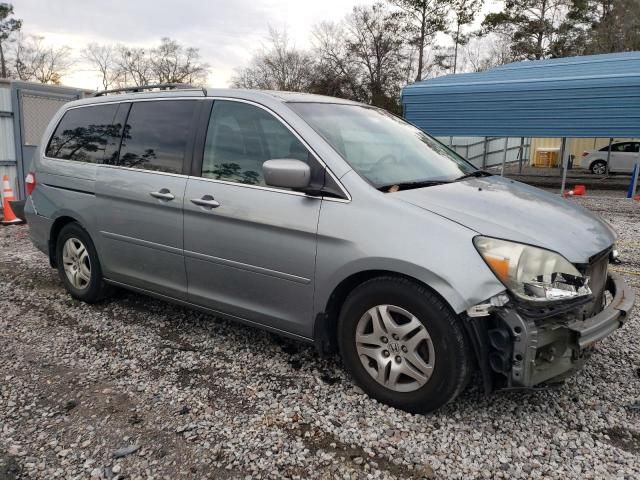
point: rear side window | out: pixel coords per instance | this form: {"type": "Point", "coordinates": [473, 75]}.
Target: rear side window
{"type": "Point", "coordinates": [156, 135]}
{"type": "Point", "coordinates": [616, 147]}
{"type": "Point", "coordinates": [82, 134]}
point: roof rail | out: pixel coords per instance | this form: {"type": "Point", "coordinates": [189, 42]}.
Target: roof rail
{"type": "Point", "coordinates": [159, 86]}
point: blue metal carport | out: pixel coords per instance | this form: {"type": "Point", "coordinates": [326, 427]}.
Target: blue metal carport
{"type": "Point", "coordinates": [589, 96]}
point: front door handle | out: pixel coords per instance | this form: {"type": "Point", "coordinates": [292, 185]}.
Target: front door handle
{"type": "Point", "coordinates": [206, 201]}
{"type": "Point", "coordinates": [163, 194]}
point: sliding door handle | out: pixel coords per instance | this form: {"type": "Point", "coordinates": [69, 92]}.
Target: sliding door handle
{"type": "Point", "coordinates": [207, 201]}
{"type": "Point", "coordinates": [163, 194]}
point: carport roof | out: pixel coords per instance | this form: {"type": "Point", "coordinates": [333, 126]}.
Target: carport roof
{"type": "Point", "coordinates": [589, 96]}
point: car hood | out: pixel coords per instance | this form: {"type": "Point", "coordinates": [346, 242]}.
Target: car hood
{"type": "Point", "coordinates": [503, 208]}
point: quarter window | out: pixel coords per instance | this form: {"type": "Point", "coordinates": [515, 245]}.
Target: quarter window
{"type": "Point", "coordinates": [156, 135]}
{"type": "Point", "coordinates": [83, 133]}
{"type": "Point", "coordinates": [240, 138]}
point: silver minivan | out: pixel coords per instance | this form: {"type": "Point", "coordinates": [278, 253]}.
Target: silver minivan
{"type": "Point", "coordinates": [331, 222]}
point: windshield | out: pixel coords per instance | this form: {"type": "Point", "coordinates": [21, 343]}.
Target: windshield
{"type": "Point", "coordinates": [382, 148]}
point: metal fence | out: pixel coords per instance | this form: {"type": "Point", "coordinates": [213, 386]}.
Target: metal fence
{"type": "Point", "coordinates": [516, 158]}
{"type": "Point", "coordinates": [25, 111]}
{"type": "Point", "coordinates": [487, 152]}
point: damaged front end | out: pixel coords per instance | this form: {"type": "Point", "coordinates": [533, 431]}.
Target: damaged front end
{"type": "Point", "coordinates": [522, 342]}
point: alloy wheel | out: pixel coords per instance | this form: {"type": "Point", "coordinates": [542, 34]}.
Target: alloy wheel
{"type": "Point", "coordinates": [77, 264]}
{"type": "Point", "coordinates": [395, 348]}
{"type": "Point", "coordinates": [599, 168]}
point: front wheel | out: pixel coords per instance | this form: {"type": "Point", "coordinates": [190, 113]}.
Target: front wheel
{"type": "Point", "coordinates": [599, 167]}
{"type": "Point", "coordinates": [403, 345]}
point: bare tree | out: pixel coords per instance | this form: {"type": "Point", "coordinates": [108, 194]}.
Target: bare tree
{"type": "Point", "coordinates": [486, 52]}
{"type": "Point", "coordinates": [133, 66]}
{"type": "Point", "coordinates": [336, 73]}
{"type": "Point", "coordinates": [376, 45]}
{"type": "Point", "coordinates": [103, 59]}
{"type": "Point", "coordinates": [171, 62]}
{"type": "Point", "coordinates": [363, 58]}
{"type": "Point", "coordinates": [35, 60]}
{"type": "Point", "coordinates": [278, 66]}
{"type": "Point", "coordinates": [8, 28]}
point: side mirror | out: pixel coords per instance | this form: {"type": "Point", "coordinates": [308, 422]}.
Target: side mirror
{"type": "Point", "coordinates": [286, 173]}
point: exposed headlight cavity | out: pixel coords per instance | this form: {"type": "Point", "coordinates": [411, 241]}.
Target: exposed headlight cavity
{"type": "Point", "coordinates": [532, 273]}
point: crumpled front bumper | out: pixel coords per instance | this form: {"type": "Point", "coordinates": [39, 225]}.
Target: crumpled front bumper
{"type": "Point", "coordinates": [612, 317]}
{"type": "Point", "coordinates": [522, 352]}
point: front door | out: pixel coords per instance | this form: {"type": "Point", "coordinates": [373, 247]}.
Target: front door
{"type": "Point", "coordinates": [249, 249]}
{"type": "Point", "coordinates": [140, 194]}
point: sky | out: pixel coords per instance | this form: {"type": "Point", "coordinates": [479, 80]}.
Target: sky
{"type": "Point", "coordinates": [227, 32]}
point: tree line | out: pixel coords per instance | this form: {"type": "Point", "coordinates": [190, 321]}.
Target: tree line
{"type": "Point", "coordinates": [30, 58]}
{"type": "Point", "coordinates": [368, 56]}
{"type": "Point", "coordinates": [377, 49]}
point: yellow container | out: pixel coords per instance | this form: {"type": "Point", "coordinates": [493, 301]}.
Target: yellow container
{"type": "Point", "coordinates": [546, 157]}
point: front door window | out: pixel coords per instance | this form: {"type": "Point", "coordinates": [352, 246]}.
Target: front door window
{"type": "Point", "coordinates": [240, 138]}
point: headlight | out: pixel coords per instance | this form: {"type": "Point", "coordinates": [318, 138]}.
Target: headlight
{"type": "Point", "coordinates": [532, 273]}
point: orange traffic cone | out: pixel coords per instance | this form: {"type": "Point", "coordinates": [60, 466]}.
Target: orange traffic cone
{"type": "Point", "coordinates": [7, 196]}
{"type": "Point", "coordinates": [580, 190]}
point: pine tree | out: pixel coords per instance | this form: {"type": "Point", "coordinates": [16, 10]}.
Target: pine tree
{"type": "Point", "coordinates": [8, 27]}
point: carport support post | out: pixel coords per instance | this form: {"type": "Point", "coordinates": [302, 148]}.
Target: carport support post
{"type": "Point", "coordinates": [636, 171]}
{"type": "Point", "coordinates": [484, 154]}
{"type": "Point", "coordinates": [521, 153]}
{"type": "Point", "coordinates": [504, 155]}
{"type": "Point", "coordinates": [608, 156]}
{"type": "Point", "coordinates": [565, 163]}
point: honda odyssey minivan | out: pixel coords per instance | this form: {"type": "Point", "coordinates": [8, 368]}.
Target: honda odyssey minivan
{"type": "Point", "coordinates": [331, 222]}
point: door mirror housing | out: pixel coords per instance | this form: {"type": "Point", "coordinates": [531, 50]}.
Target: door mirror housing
{"type": "Point", "coordinates": [286, 173]}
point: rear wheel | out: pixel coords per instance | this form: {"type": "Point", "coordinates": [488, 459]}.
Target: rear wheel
{"type": "Point", "coordinates": [78, 264]}
{"type": "Point", "coordinates": [599, 167]}
{"type": "Point", "coordinates": [403, 345]}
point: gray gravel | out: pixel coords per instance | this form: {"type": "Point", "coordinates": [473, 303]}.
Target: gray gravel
{"type": "Point", "coordinates": [137, 388]}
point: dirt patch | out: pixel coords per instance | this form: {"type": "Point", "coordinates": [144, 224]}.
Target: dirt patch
{"type": "Point", "coordinates": [9, 467]}
{"type": "Point", "coordinates": [318, 440]}
{"type": "Point", "coordinates": [625, 439]}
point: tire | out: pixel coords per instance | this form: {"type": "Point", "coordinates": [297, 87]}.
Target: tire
{"type": "Point", "coordinates": [599, 167]}
{"type": "Point", "coordinates": [90, 287]}
{"type": "Point", "coordinates": [445, 348]}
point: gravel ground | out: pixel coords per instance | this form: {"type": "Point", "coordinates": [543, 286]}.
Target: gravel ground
{"type": "Point", "coordinates": [137, 388]}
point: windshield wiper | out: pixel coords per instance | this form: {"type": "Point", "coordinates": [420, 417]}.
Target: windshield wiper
{"type": "Point", "coordinates": [410, 185]}
{"type": "Point", "coordinates": [475, 173]}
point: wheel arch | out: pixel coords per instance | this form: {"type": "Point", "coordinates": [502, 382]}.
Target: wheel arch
{"type": "Point", "coordinates": [326, 321]}
{"type": "Point", "coordinates": [56, 227]}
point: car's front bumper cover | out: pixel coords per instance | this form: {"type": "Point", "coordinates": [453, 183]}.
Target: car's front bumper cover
{"type": "Point", "coordinates": [519, 351]}
{"type": "Point", "coordinates": [612, 317]}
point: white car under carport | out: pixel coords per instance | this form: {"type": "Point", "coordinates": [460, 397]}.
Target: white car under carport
{"type": "Point", "coordinates": [623, 157]}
